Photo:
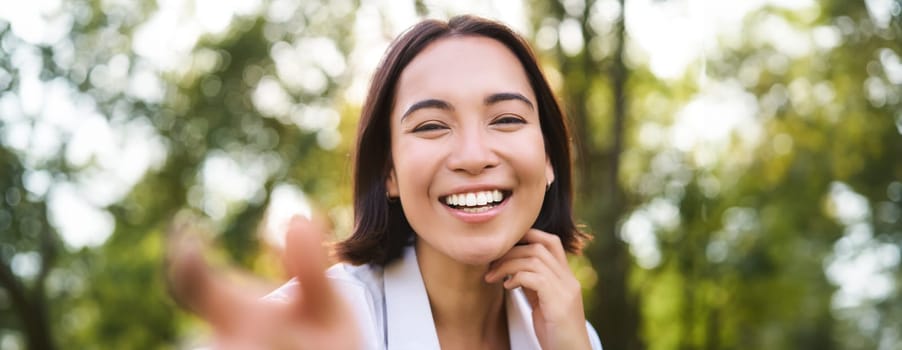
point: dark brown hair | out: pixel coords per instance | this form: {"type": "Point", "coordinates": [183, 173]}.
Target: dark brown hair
{"type": "Point", "coordinates": [381, 230]}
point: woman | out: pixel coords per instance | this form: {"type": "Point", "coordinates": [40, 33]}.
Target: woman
{"type": "Point", "coordinates": [462, 199]}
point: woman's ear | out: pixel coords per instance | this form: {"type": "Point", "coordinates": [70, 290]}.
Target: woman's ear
{"type": "Point", "coordinates": [549, 173]}
{"type": "Point", "coordinates": [391, 185]}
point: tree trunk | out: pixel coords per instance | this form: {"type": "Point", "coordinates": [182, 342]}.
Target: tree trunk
{"type": "Point", "coordinates": [615, 310]}
{"type": "Point", "coordinates": [32, 311]}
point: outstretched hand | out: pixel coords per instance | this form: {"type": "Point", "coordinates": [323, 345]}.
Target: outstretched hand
{"type": "Point", "coordinates": [316, 318]}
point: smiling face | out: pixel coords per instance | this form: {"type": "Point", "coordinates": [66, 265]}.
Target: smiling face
{"type": "Point", "coordinates": [468, 156]}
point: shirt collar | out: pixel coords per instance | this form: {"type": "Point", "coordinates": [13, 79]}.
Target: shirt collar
{"type": "Point", "coordinates": [409, 321]}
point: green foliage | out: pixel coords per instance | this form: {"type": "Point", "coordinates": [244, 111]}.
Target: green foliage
{"type": "Point", "coordinates": [114, 295]}
{"type": "Point", "coordinates": [743, 233]}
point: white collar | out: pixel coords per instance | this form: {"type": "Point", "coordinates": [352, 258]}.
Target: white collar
{"type": "Point", "coordinates": [409, 321]}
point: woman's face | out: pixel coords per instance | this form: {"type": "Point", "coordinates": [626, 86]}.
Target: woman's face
{"type": "Point", "coordinates": [469, 161]}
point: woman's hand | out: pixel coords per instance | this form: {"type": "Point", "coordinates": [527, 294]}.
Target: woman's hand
{"type": "Point", "coordinates": [539, 265]}
{"type": "Point", "coordinates": [316, 318]}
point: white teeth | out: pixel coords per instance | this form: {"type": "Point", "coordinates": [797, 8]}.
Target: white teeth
{"type": "Point", "coordinates": [471, 199]}
{"type": "Point", "coordinates": [475, 210]}
{"type": "Point", "coordinates": [474, 199]}
{"type": "Point", "coordinates": [480, 198]}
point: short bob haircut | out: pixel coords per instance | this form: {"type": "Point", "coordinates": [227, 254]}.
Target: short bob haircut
{"type": "Point", "coordinates": [381, 230]}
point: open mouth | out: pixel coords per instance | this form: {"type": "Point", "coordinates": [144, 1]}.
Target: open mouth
{"type": "Point", "coordinates": [475, 202]}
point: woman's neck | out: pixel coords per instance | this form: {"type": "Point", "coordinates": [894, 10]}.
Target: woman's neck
{"type": "Point", "coordinates": [468, 312]}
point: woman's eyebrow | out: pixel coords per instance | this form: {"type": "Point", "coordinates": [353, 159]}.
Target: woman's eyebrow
{"type": "Point", "coordinates": [429, 103]}
{"type": "Point", "coordinates": [507, 96]}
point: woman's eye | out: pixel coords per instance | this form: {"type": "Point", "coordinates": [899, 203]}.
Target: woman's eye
{"type": "Point", "coordinates": [428, 127]}
{"type": "Point", "coordinates": [509, 119]}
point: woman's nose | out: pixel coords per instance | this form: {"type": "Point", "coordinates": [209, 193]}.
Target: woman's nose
{"type": "Point", "coordinates": [472, 152]}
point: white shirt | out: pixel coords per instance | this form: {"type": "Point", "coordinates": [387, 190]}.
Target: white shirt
{"type": "Point", "coordinates": [393, 308]}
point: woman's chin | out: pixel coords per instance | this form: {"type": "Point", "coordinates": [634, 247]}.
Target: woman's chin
{"type": "Point", "coordinates": [479, 256]}
{"type": "Point", "coordinates": [474, 252]}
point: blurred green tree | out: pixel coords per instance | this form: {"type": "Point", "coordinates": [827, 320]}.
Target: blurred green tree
{"type": "Point", "coordinates": [737, 241]}
{"type": "Point", "coordinates": [214, 105]}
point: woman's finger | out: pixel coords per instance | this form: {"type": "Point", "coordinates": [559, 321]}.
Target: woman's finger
{"type": "Point", "coordinates": [305, 258]}
{"type": "Point", "coordinates": [549, 241]}
{"type": "Point", "coordinates": [324, 319]}
{"type": "Point", "coordinates": [185, 268]}
{"type": "Point", "coordinates": [511, 267]}
{"type": "Point", "coordinates": [199, 287]}
{"type": "Point", "coordinates": [534, 250]}
{"type": "Point", "coordinates": [534, 281]}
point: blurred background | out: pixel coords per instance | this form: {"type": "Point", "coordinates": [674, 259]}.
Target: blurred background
{"type": "Point", "coordinates": [739, 162]}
